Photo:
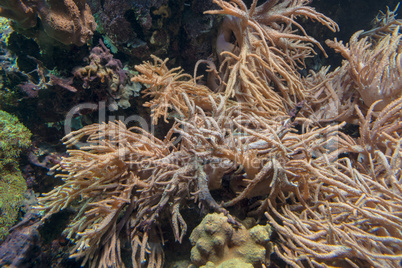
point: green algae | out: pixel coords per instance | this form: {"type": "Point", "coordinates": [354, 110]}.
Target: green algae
{"type": "Point", "coordinates": [14, 137]}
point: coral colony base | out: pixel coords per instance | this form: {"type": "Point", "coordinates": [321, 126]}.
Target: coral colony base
{"type": "Point", "coordinates": [333, 199]}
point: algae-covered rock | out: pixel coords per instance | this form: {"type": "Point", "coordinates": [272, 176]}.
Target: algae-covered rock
{"type": "Point", "coordinates": [218, 243]}
{"type": "Point", "coordinates": [12, 189]}
{"type": "Point", "coordinates": [14, 137]}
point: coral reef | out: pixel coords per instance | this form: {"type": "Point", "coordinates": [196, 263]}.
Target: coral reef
{"type": "Point", "coordinates": [258, 130]}
{"type": "Point", "coordinates": [14, 137]}
{"type": "Point", "coordinates": [147, 176]}
{"type": "Point", "coordinates": [69, 22]}
{"type": "Point", "coordinates": [217, 241]}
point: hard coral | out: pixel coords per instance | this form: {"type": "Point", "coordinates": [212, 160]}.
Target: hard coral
{"type": "Point", "coordinates": [69, 21]}
{"type": "Point", "coordinates": [106, 77]}
{"type": "Point", "coordinates": [216, 240]}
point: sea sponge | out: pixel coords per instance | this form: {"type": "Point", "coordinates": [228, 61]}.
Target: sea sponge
{"type": "Point", "coordinates": [68, 21]}
{"type": "Point", "coordinates": [218, 242]}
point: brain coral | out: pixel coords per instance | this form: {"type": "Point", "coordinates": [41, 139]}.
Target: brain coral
{"type": "Point", "coordinates": [219, 243]}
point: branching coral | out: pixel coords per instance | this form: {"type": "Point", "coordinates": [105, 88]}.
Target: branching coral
{"type": "Point", "coordinates": [122, 192]}
{"type": "Point", "coordinates": [370, 72]}
{"type": "Point", "coordinates": [374, 70]}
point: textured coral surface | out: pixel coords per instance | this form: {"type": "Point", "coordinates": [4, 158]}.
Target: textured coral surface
{"type": "Point", "coordinates": [69, 21]}
{"type": "Point", "coordinates": [14, 137]}
{"type": "Point", "coordinates": [218, 242]}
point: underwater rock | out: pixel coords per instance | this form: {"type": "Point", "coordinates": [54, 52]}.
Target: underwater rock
{"type": "Point", "coordinates": [107, 78]}
{"type": "Point", "coordinates": [128, 25]}
{"type": "Point", "coordinates": [218, 243]}
{"type": "Point", "coordinates": [22, 248]}
{"type": "Point", "coordinates": [175, 29]}
{"type": "Point", "coordinates": [69, 22]}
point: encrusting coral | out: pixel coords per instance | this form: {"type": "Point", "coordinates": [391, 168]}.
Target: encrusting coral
{"type": "Point", "coordinates": [333, 198]}
{"type": "Point", "coordinates": [215, 241]}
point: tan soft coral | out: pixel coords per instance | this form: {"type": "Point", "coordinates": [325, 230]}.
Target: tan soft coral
{"type": "Point", "coordinates": [170, 89]}
{"type": "Point", "coordinates": [374, 68]}
{"type": "Point", "coordinates": [261, 66]}
{"type": "Point", "coordinates": [120, 174]}
{"type": "Point", "coordinates": [69, 21]}
{"type": "Point", "coordinates": [369, 74]}
{"type": "Point", "coordinates": [351, 214]}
